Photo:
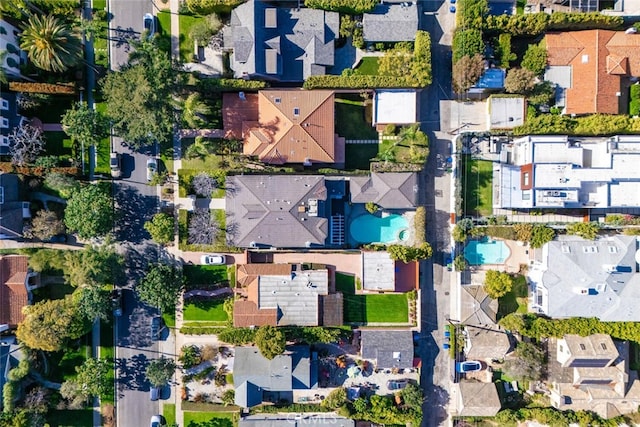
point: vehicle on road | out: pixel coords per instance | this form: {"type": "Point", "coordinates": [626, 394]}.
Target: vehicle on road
{"type": "Point", "coordinates": [115, 165]}
{"type": "Point", "coordinates": [58, 238]}
{"type": "Point", "coordinates": [149, 22]}
{"type": "Point", "coordinates": [397, 384]}
{"type": "Point", "coordinates": [156, 326]}
{"type": "Point", "coordinates": [213, 259]}
{"type": "Point", "coordinates": [468, 366]}
{"type": "Point", "coordinates": [154, 393]}
{"type": "Point", "coordinates": [152, 168]}
{"type": "Point", "coordinates": [116, 302]}
{"type": "Point", "coordinates": [157, 421]}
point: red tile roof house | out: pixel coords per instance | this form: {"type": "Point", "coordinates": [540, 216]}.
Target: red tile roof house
{"type": "Point", "coordinates": [285, 126]}
{"type": "Point", "coordinates": [601, 63]}
{"type": "Point", "coordinates": [15, 288]}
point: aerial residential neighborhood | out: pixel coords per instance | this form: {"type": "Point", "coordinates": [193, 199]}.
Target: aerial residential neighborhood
{"type": "Point", "coordinates": [363, 213]}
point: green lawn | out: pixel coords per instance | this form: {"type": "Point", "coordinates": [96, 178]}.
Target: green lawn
{"type": "Point", "coordinates": [351, 122]}
{"type": "Point", "coordinates": [62, 364]}
{"type": "Point", "coordinates": [358, 156]}
{"type": "Point", "coordinates": [206, 311]}
{"type": "Point", "coordinates": [103, 150]}
{"type": "Point", "coordinates": [70, 418]}
{"type": "Point", "coordinates": [368, 66]}
{"type": "Point", "coordinates": [169, 319]}
{"type": "Point", "coordinates": [516, 300]}
{"type": "Point", "coordinates": [209, 419]}
{"type": "Point", "coordinates": [477, 180]}
{"type": "Point", "coordinates": [169, 413]}
{"type": "Point", "coordinates": [163, 36]}
{"type": "Point", "coordinates": [186, 44]}
{"type": "Point", "coordinates": [204, 274]}
{"type": "Point", "coordinates": [371, 308]}
{"type": "Point", "coordinates": [58, 144]}
{"type": "Point", "coordinates": [99, 4]}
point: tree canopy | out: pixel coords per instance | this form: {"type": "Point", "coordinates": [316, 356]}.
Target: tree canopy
{"type": "Point", "coordinates": [161, 287]}
{"type": "Point", "coordinates": [535, 59]}
{"type": "Point", "coordinates": [93, 302]}
{"type": "Point", "coordinates": [89, 211]}
{"type": "Point", "coordinates": [466, 72]}
{"type": "Point", "coordinates": [497, 283]}
{"type": "Point", "coordinates": [160, 371]}
{"type": "Point", "coordinates": [49, 324]}
{"type": "Point", "coordinates": [50, 43]}
{"type": "Point", "coordinates": [270, 341]}
{"type": "Point", "coordinates": [85, 124]}
{"type": "Point", "coordinates": [528, 363]}
{"type": "Point", "coordinates": [92, 379]}
{"type": "Point", "coordinates": [520, 80]}
{"type": "Point", "coordinates": [161, 228]}
{"type": "Point", "coordinates": [97, 265]}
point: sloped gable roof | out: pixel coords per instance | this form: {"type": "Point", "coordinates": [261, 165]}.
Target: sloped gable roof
{"type": "Point", "coordinates": [390, 349]}
{"type": "Point", "coordinates": [13, 292]}
{"type": "Point", "coordinates": [391, 23]}
{"type": "Point", "coordinates": [478, 399]}
{"type": "Point", "coordinates": [477, 307]}
{"type": "Point", "coordinates": [293, 126]}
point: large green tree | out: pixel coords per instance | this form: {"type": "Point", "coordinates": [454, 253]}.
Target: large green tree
{"type": "Point", "coordinates": [50, 43]}
{"type": "Point", "coordinates": [520, 80]}
{"type": "Point", "coordinates": [160, 371]}
{"type": "Point", "coordinates": [139, 98]}
{"type": "Point", "coordinates": [89, 211]}
{"type": "Point", "coordinates": [270, 341]}
{"type": "Point", "coordinates": [161, 228]}
{"type": "Point", "coordinates": [48, 325]}
{"type": "Point", "coordinates": [161, 287]}
{"type": "Point", "coordinates": [497, 283]}
{"type": "Point", "coordinates": [528, 363]}
{"type": "Point", "coordinates": [92, 379]}
{"type": "Point", "coordinates": [93, 302]}
{"type": "Point", "coordinates": [85, 124]}
{"type": "Point", "coordinates": [95, 265]}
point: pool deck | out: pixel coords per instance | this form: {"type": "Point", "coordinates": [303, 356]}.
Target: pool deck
{"type": "Point", "coordinates": [520, 254]}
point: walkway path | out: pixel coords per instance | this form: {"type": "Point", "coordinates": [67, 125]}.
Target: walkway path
{"type": "Point", "coordinates": [207, 133]}
{"type": "Point", "coordinates": [95, 352]}
{"type": "Point", "coordinates": [174, 6]}
{"type": "Point", "coordinates": [203, 293]}
{"type": "Point", "coordinates": [188, 203]}
{"type": "Point", "coordinates": [361, 141]}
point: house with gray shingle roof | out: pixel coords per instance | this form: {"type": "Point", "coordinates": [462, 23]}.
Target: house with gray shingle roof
{"type": "Point", "coordinates": [389, 349]}
{"type": "Point", "coordinates": [12, 210]}
{"type": "Point", "coordinates": [476, 399]}
{"type": "Point", "coordinates": [280, 43]}
{"type": "Point", "coordinates": [282, 211]}
{"type": "Point", "coordinates": [389, 190]}
{"type": "Point", "coordinates": [391, 22]}
{"type": "Point", "coordinates": [258, 379]}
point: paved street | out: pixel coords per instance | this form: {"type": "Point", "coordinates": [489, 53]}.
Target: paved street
{"type": "Point", "coordinates": [435, 280]}
{"type": "Point", "coordinates": [125, 25]}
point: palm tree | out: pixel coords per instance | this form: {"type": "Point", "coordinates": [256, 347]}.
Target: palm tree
{"type": "Point", "coordinates": [193, 111]}
{"type": "Point", "coordinates": [50, 44]}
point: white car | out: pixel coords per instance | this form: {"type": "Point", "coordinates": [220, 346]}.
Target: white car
{"type": "Point", "coordinates": [157, 421]}
{"type": "Point", "coordinates": [213, 259]}
{"type": "Point", "coordinates": [115, 164]}
{"type": "Point", "coordinates": [149, 23]}
{"type": "Point", "coordinates": [152, 168]}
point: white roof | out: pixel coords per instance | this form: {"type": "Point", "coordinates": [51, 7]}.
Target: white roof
{"type": "Point", "coordinates": [505, 112]}
{"type": "Point", "coordinates": [395, 106]}
{"type": "Point", "coordinates": [378, 271]}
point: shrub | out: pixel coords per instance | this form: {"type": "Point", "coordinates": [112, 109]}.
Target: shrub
{"type": "Point", "coordinates": [190, 356]}
{"type": "Point", "coordinates": [209, 86]}
{"type": "Point", "coordinates": [336, 398]}
{"type": "Point", "coordinates": [497, 284]}
{"type": "Point", "coordinates": [460, 263]}
{"type": "Point", "coordinates": [586, 230]}
{"type": "Point", "coordinates": [520, 80]}
{"type": "Point", "coordinates": [51, 88]}
{"type": "Point", "coordinates": [634, 96]}
{"type": "Point", "coordinates": [391, 129]}
{"type": "Point", "coordinates": [237, 336]}
{"type": "Point", "coordinates": [270, 341]}
{"type": "Point", "coordinates": [541, 234]}
{"type": "Point", "coordinates": [504, 51]}
{"type": "Point", "coordinates": [466, 72]}
{"type": "Point", "coordinates": [420, 225]}
{"type": "Point", "coordinates": [506, 232]}
{"type": "Point", "coordinates": [467, 43]}
{"type": "Point", "coordinates": [371, 207]}
{"type": "Point", "coordinates": [352, 7]}
{"type": "Point", "coordinates": [205, 7]}
{"type": "Point", "coordinates": [533, 24]}
{"type": "Point", "coordinates": [535, 59]}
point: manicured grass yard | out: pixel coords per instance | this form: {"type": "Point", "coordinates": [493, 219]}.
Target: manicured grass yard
{"type": "Point", "coordinates": [516, 300]}
{"type": "Point", "coordinates": [186, 43]}
{"type": "Point", "coordinates": [477, 179]}
{"type": "Point", "coordinates": [70, 418]}
{"type": "Point", "coordinates": [202, 419]}
{"type": "Point", "coordinates": [204, 274]}
{"type": "Point", "coordinates": [371, 308]}
{"type": "Point", "coordinates": [169, 413]}
{"type": "Point", "coordinates": [57, 144]}
{"type": "Point", "coordinates": [205, 310]}
{"type": "Point", "coordinates": [368, 66]}
{"type": "Point", "coordinates": [358, 156]}
{"type": "Point", "coordinates": [351, 122]}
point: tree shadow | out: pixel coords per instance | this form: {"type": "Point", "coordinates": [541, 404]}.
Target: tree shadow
{"type": "Point", "coordinates": [131, 204]}
{"type": "Point", "coordinates": [132, 373]}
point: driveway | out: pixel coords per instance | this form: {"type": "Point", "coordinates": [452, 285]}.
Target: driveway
{"type": "Point", "coordinates": [344, 263]}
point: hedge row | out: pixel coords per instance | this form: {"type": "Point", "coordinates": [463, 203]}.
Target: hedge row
{"type": "Point", "coordinates": [533, 24]}
{"type": "Point", "coordinates": [634, 98]}
{"type": "Point", "coordinates": [593, 125]}
{"type": "Point", "coordinates": [206, 7]}
{"type": "Point", "coordinates": [57, 7]}
{"type": "Point", "coordinates": [51, 88]}
{"type": "Point", "coordinates": [229, 85]}
{"type": "Point", "coordinates": [554, 417]}
{"type": "Point", "coordinates": [8, 167]}
{"type": "Point", "coordinates": [352, 7]}
{"type": "Point", "coordinates": [420, 225]}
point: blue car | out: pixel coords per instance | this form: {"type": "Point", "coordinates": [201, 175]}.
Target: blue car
{"type": "Point", "coordinates": [452, 9]}
{"type": "Point", "coordinates": [468, 366]}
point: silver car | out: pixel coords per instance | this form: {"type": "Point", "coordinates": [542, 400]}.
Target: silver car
{"type": "Point", "coordinates": [152, 168]}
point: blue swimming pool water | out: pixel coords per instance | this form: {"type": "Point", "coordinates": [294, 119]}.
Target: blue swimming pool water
{"type": "Point", "coordinates": [486, 251]}
{"type": "Point", "coordinates": [374, 229]}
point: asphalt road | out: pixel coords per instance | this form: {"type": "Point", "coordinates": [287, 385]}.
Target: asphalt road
{"type": "Point", "coordinates": [435, 279]}
{"type": "Point", "coordinates": [125, 25]}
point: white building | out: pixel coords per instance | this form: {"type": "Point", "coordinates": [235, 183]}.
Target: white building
{"type": "Point", "coordinates": [395, 106]}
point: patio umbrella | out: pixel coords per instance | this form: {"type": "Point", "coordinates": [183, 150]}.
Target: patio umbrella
{"type": "Point", "coordinates": [353, 371]}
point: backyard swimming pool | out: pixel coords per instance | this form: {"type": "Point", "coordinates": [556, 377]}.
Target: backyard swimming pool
{"type": "Point", "coordinates": [486, 251]}
{"type": "Point", "coordinates": [369, 228]}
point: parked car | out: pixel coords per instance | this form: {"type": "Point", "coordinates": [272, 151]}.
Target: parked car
{"type": "Point", "coordinates": [156, 327]}
{"type": "Point", "coordinates": [157, 421]}
{"type": "Point", "coordinates": [468, 366]}
{"type": "Point", "coordinates": [116, 302]}
{"type": "Point", "coordinates": [154, 393]}
{"type": "Point", "coordinates": [213, 259]}
{"type": "Point", "coordinates": [452, 9]}
{"type": "Point", "coordinates": [149, 23]}
{"type": "Point", "coordinates": [152, 168]}
{"type": "Point", "coordinates": [397, 384]}
{"type": "Point", "coordinates": [115, 164]}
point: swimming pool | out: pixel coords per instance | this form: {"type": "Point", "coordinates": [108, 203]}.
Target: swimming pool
{"type": "Point", "coordinates": [486, 251]}
{"type": "Point", "coordinates": [369, 228]}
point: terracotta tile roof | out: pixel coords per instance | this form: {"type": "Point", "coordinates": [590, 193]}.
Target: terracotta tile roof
{"type": "Point", "coordinates": [599, 59]}
{"type": "Point", "coordinates": [247, 273]}
{"type": "Point", "coordinates": [236, 111]}
{"type": "Point", "coordinates": [13, 293]}
{"type": "Point", "coordinates": [293, 125]}
{"type": "Point", "coordinates": [246, 313]}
